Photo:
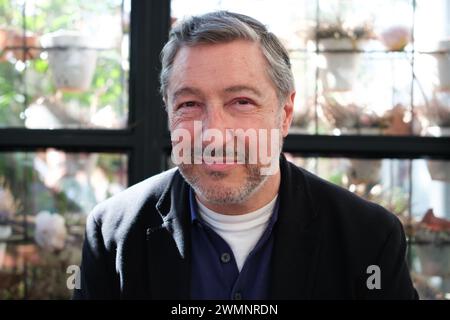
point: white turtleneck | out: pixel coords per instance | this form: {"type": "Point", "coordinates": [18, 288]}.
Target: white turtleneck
{"type": "Point", "coordinates": [241, 232]}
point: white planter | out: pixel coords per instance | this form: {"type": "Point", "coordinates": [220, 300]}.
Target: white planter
{"type": "Point", "coordinates": [340, 69]}
{"type": "Point", "coordinates": [443, 64]}
{"type": "Point", "coordinates": [360, 131]}
{"type": "Point", "coordinates": [439, 169]}
{"type": "Point", "coordinates": [434, 260]}
{"type": "Point", "coordinates": [370, 131]}
{"type": "Point", "coordinates": [5, 233]}
{"type": "Point", "coordinates": [365, 171]}
{"type": "Point", "coordinates": [72, 59]}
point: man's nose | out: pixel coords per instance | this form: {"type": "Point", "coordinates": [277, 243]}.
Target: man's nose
{"type": "Point", "coordinates": [217, 119]}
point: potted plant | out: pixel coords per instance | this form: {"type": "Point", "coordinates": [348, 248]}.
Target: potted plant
{"type": "Point", "coordinates": [338, 44]}
{"type": "Point", "coordinates": [14, 43]}
{"type": "Point", "coordinates": [363, 175]}
{"type": "Point", "coordinates": [439, 170]}
{"type": "Point", "coordinates": [24, 45]}
{"type": "Point", "coordinates": [72, 59]}
{"type": "Point", "coordinates": [303, 117]}
{"type": "Point", "coordinates": [432, 235]}
{"type": "Point", "coordinates": [435, 118]}
{"type": "Point", "coordinates": [398, 122]}
{"type": "Point", "coordinates": [349, 118]}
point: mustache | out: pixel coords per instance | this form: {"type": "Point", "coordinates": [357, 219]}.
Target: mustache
{"type": "Point", "coordinates": [221, 154]}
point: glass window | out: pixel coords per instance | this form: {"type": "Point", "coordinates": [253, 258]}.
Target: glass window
{"type": "Point", "coordinates": [45, 197]}
{"type": "Point", "coordinates": [432, 68]}
{"type": "Point", "coordinates": [64, 64]}
{"type": "Point", "coordinates": [358, 70]}
{"type": "Point", "coordinates": [417, 192]}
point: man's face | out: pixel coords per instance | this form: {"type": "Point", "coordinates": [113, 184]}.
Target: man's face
{"type": "Point", "coordinates": [225, 87]}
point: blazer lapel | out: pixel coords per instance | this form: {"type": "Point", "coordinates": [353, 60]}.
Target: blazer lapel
{"type": "Point", "coordinates": [168, 244]}
{"type": "Point", "coordinates": [297, 238]}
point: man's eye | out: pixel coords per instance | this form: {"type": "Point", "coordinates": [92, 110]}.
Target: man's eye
{"type": "Point", "coordinates": [188, 104]}
{"type": "Point", "coordinates": [242, 102]}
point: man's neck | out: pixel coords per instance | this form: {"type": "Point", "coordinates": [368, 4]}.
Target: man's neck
{"type": "Point", "coordinates": [259, 199]}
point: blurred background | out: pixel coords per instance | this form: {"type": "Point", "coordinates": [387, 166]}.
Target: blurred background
{"type": "Point", "coordinates": [81, 118]}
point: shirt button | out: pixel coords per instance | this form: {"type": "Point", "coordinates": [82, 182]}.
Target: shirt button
{"type": "Point", "coordinates": [238, 296]}
{"type": "Point", "coordinates": [225, 257]}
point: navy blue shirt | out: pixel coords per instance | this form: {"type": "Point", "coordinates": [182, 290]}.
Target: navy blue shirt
{"type": "Point", "coordinates": [214, 272]}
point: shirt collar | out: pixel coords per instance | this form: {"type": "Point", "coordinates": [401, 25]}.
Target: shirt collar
{"type": "Point", "coordinates": [195, 216]}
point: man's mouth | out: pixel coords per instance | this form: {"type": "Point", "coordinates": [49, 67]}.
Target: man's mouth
{"type": "Point", "coordinates": [217, 165]}
{"type": "Point", "coordinates": [220, 166]}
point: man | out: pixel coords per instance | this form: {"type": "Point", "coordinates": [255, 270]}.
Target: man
{"type": "Point", "coordinates": [230, 223]}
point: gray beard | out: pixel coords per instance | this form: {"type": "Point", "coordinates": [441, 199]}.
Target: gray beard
{"type": "Point", "coordinates": [220, 195]}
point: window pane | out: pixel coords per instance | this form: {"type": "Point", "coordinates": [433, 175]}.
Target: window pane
{"type": "Point", "coordinates": [417, 192]}
{"type": "Point", "coordinates": [385, 181]}
{"type": "Point", "coordinates": [371, 79]}
{"type": "Point", "coordinates": [45, 197]}
{"type": "Point", "coordinates": [72, 62]}
{"type": "Point", "coordinates": [432, 92]}
{"type": "Point", "coordinates": [288, 19]}
{"type": "Point", "coordinates": [305, 111]}
{"type": "Point", "coordinates": [431, 227]}
{"type": "Point", "coordinates": [365, 93]}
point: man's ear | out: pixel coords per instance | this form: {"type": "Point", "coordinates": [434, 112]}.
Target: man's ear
{"type": "Point", "coordinates": [288, 113]}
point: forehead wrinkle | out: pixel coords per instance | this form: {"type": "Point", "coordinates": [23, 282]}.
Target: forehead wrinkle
{"type": "Point", "coordinates": [238, 88]}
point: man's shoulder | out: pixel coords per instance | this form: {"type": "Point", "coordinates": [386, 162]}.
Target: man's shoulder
{"type": "Point", "coordinates": [128, 203]}
{"type": "Point", "coordinates": [336, 204]}
{"type": "Point", "coordinates": [350, 225]}
{"type": "Point", "coordinates": [353, 234]}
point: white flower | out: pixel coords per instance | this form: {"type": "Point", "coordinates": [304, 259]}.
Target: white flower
{"type": "Point", "coordinates": [50, 232]}
{"type": "Point", "coordinates": [396, 37]}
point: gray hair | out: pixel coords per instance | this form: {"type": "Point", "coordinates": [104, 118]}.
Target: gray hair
{"type": "Point", "coordinates": [222, 27]}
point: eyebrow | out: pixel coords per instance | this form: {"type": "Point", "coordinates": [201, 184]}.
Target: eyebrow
{"type": "Point", "coordinates": [232, 89]}
{"type": "Point", "coordinates": [186, 90]}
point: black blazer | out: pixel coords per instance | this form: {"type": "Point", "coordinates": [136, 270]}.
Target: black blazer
{"type": "Point", "coordinates": [137, 243]}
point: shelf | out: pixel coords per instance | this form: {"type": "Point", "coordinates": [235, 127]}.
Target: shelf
{"type": "Point", "coordinates": [402, 52]}
{"type": "Point", "coordinates": [369, 146]}
{"type": "Point", "coordinates": [428, 243]}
